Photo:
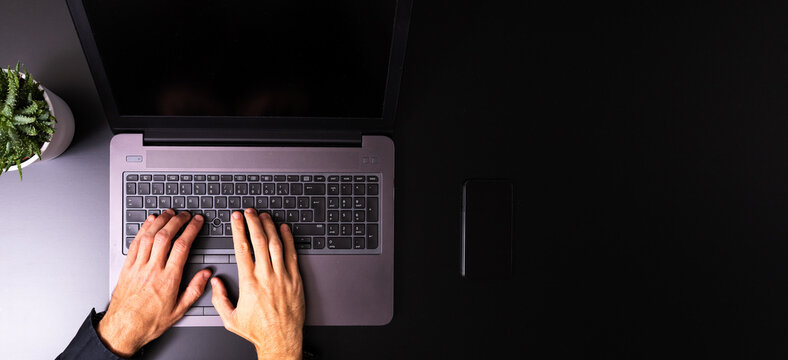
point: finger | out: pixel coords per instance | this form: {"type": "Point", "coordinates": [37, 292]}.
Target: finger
{"type": "Point", "coordinates": [181, 246]}
{"type": "Point", "coordinates": [131, 256]}
{"type": "Point", "coordinates": [222, 303]}
{"type": "Point", "coordinates": [243, 258]}
{"type": "Point", "coordinates": [274, 244]}
{"type": "Point", "coordinates": [163, 238]}
{"type": "Point", "coordinates": [259, 241]}
{"type": "Point", "coordinates": [146, 242]}
{"type": "Point", "coordinates": [192, 292]}
{"type": "Point", "coordinates": [290, 255]}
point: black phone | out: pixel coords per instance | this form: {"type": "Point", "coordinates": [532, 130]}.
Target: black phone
{"type": "Point", "coordinates": [487, 213]}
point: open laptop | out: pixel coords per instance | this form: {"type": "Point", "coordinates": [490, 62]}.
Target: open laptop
{"type": "Point", "coordinates": [282, 106]}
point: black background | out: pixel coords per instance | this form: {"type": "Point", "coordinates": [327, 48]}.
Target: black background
{"type": "Point", "coordinates": [646, 142]}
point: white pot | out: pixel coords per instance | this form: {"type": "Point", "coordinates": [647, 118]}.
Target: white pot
{"type": "Point", "coordinates": [64, 129]}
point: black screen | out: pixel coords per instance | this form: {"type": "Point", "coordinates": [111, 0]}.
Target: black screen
{"type": "Point", "coordinates": [295, 58]}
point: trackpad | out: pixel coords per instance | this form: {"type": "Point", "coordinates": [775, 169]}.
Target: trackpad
{"type": "Point", "coordinates": [227, 272]}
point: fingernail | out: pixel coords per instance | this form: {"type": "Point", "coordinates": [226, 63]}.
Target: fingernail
{"type": "Point", "coordinates": [170, 211]}
{"type": "Point", "coordinates": [150, 217]}
{"type": "Point", "coordinates": [236, 214]}
{"type": "Point", "coordinates": [249, 210]}
{"type": "Point", "coordinates": [214, 281]}
{"type": "Point", "coordinates": [198, 217]}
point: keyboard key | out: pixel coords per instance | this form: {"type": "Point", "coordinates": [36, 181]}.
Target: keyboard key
{"type": "Point", "coordinates": [228, 229]}
{"type": "Point", "coordinates": [206, 202]}
{"type": "Point", "coordinates": [247, 202]}
{"type": "Point", "coordinates": [220, 202]}
{"type": "Point", "coordinates": [199, 177]}
{"type": "Point", "coordinates": [358, 229]}
{"type": "Point", "coordinates": [269, 189]}
{"type": "Point", "coordinates": [131, 189]}
{"type": "Point", "coordinates": [292, 216]}
{"type": "Point", "coordinates": [159, 178]}
{"type": "Point", "coordinates": [172, 188]}
{"type": "Point", "coordinates": [227, 178]}
{"type": "Point", "coordinates": [307, 215]}
{"type": "Point", "coordinates": [278, 216]}
{"type": "Point", "coordinates": [216, 259]}
{"type": "Point", "coordinates": [173, 177]}
{"type": "Point", "coordinates": [157, 189]}
{"type": "Point", "coordinates": [213, 177]}
{"type": "Point", "coordinates": [192, 202]}
{"type": "Point", "coordinates": [150, 202]}
{"type": "Point", "coordinates": [333, 189]}
{"type": "Point", "coordinates": [346, 178]}
{"type": "Point", "coordinates": [165, 202]}
{"type": "Point", "coordinates": [303, 202]}
{"type": "Point", "coordinates": [318, 242]}
{"type": "Point", "coordinates": [296, 189]}
{"type": "Point", "coordinates": [346, 189]}
{"type": "Point", "coordinates": [186, 189]}
{"type": "Point", "coordinates": [333, 215]}
{"type": "Point", "coordinates": [333, 178]}
{"type": "Point", "coordinates": [132, 177]}
{"type": "Point", "coordinates": [194, 311]}
{"type": "Point", "coordinates": [372, 236]}
{"type": "Point", "coordinates": [255, 189]}
{"type": "Point", "coordinates": [215, 230]}
{"type": "Point", "coordinates": [309, 229]}
{"type": "Point", "coordinates": [276, 202]}
{"type": "Point", "coordinates": [345, 229]}
{"type": "Point", "coordinates": [359, 216]}
{"type": "Point", "coordinates": [240, 177]}
{"type": "Point", "coordinates": [242, 189]}
{"type": "Point", "coordinates": [333, 203]}
{"type": "Point", "coordinates": [214, 189]}
{"type": "Point", "coordinates": [209, 215]}
{"type": "Point", "coordinates": [345, 203]}
{"type": "Point", "coordinates": [261, 202]}
{"type": "Point", "coordinates": [339, 243]}
{"type": "Point", "coordinates": [135, 215]}
{"type": "Point", "coordinates": [283, 189]}
{"type": "Point", "coordinates": [131, 229]}
{"type": "Point", "coordinates": [178, 202]}
{"type": "Point", "coordinates": [134, 201]}
{"type": "Point", "coordinates": [199, 189]}
{"type": "Point", "coordinates": [234, 202]}
{"type": "Point", "coordinates": [319, 178]}
{"type": "Point", "coordinates": [279, 178]}
{"type": "Point", "coordinates": [253, 177]}
{"type": "Point", "coordinates": [292, 178]}
{"type": "Point", "coordinates": [228, 189]}
{"type": "Point", "coordinates": [289, 202]}
{"type": "Point", "coordinates": [372, 178]}
{"type": "Point", "coordinates": [372, 189]}
{"type": "Point", "coordinates": [315, 189]}
{"type": "Point", "coordinates": [359, 203]}
{"type": "Point", "coordinates": [303, 246]}
{"type": "Point", "coordinates": [333, 229]}
{"type": "Point", "coordinates": [359, 178]}
{"type": "Point", "coordinates": [345, 215]}
{"type": "Point", "coordinates": [358, 242]}
{"type": "Point", "coordinates": [319, 206]}
{"type": "Point", "coordinates": [372, 209]}
{"type": "Point", "coordinates": [266, 178]}
{"type": "Point", "coordinates": [186, 178]}
{"type": "Point", "coordinates": [306, 178]}
{"type": "Point", "coordinates": [359, 189]}
{"type": "Point", "coordinates": [143, 188]}
{"type": "Point", "coordinates": [302, 239]}
{"type": "Point", "coordinates": [224, 215]}
{"type": "Point", "coordinates": [146, 177]}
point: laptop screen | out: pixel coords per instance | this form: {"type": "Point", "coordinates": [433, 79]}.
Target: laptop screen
{"type": "Point", "coordinates": [263, 58]}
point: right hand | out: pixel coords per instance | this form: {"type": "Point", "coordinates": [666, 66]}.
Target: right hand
{"type": "Point", "coordinates": [271, 310]}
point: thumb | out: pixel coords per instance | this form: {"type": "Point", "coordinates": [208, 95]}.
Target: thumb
{"type": "Point", "coordinates": [192, 292]}
{"type": "Point", "coordinates": [222, 303]}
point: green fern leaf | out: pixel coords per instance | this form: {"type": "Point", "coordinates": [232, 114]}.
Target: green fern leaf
{"type": "Point", "coordinates": [22, 119]}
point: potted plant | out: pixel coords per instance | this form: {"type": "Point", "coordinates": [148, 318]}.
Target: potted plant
{"type": "Point", "coordinates": [35, 124]}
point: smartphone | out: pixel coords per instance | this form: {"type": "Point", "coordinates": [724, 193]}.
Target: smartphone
{"type": "Point", "coordinates": [487, 211]}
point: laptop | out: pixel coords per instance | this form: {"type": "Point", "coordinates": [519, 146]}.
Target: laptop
{"type": "Point", "coordinates": [282, 106]}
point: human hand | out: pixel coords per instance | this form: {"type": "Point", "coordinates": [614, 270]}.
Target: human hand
{"type": "Point", "coordinates": [271, 311]}
{"type": "Point", "coordinates": [145, 301]}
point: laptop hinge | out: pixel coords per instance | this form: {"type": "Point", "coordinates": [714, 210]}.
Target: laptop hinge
{"type": "Point", "coordinates": [251, 137]}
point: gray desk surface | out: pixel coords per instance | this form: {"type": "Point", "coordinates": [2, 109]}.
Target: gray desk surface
{"type": "Point", "coordinates": [53, 241]}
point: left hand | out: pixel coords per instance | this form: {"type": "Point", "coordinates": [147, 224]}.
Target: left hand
{"type": "Point", "coordinates": [145, 302]}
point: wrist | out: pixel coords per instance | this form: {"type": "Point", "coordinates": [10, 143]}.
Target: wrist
{"type": "Point", "coordinates": [116, 338]}
{"type": "Point", "coordinates": [295, 353]}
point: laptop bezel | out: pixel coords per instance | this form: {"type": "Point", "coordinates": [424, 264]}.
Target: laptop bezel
{"type": "Point", "coordinates": [164, 124]}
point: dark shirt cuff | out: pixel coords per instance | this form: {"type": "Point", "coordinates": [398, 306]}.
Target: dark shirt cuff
{"type": "Point", "coordinates": [87, 344]}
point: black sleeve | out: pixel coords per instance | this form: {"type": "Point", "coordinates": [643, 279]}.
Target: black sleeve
{"type": "Point", "coordinates": [87, 345]}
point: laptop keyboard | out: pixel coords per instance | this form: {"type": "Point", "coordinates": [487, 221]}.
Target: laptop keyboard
{"type": "Point", "coordinates": [328, 213]}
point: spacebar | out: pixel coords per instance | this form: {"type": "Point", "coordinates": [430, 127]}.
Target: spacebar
{"type": "Point", "coordinates": [204, 242]}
